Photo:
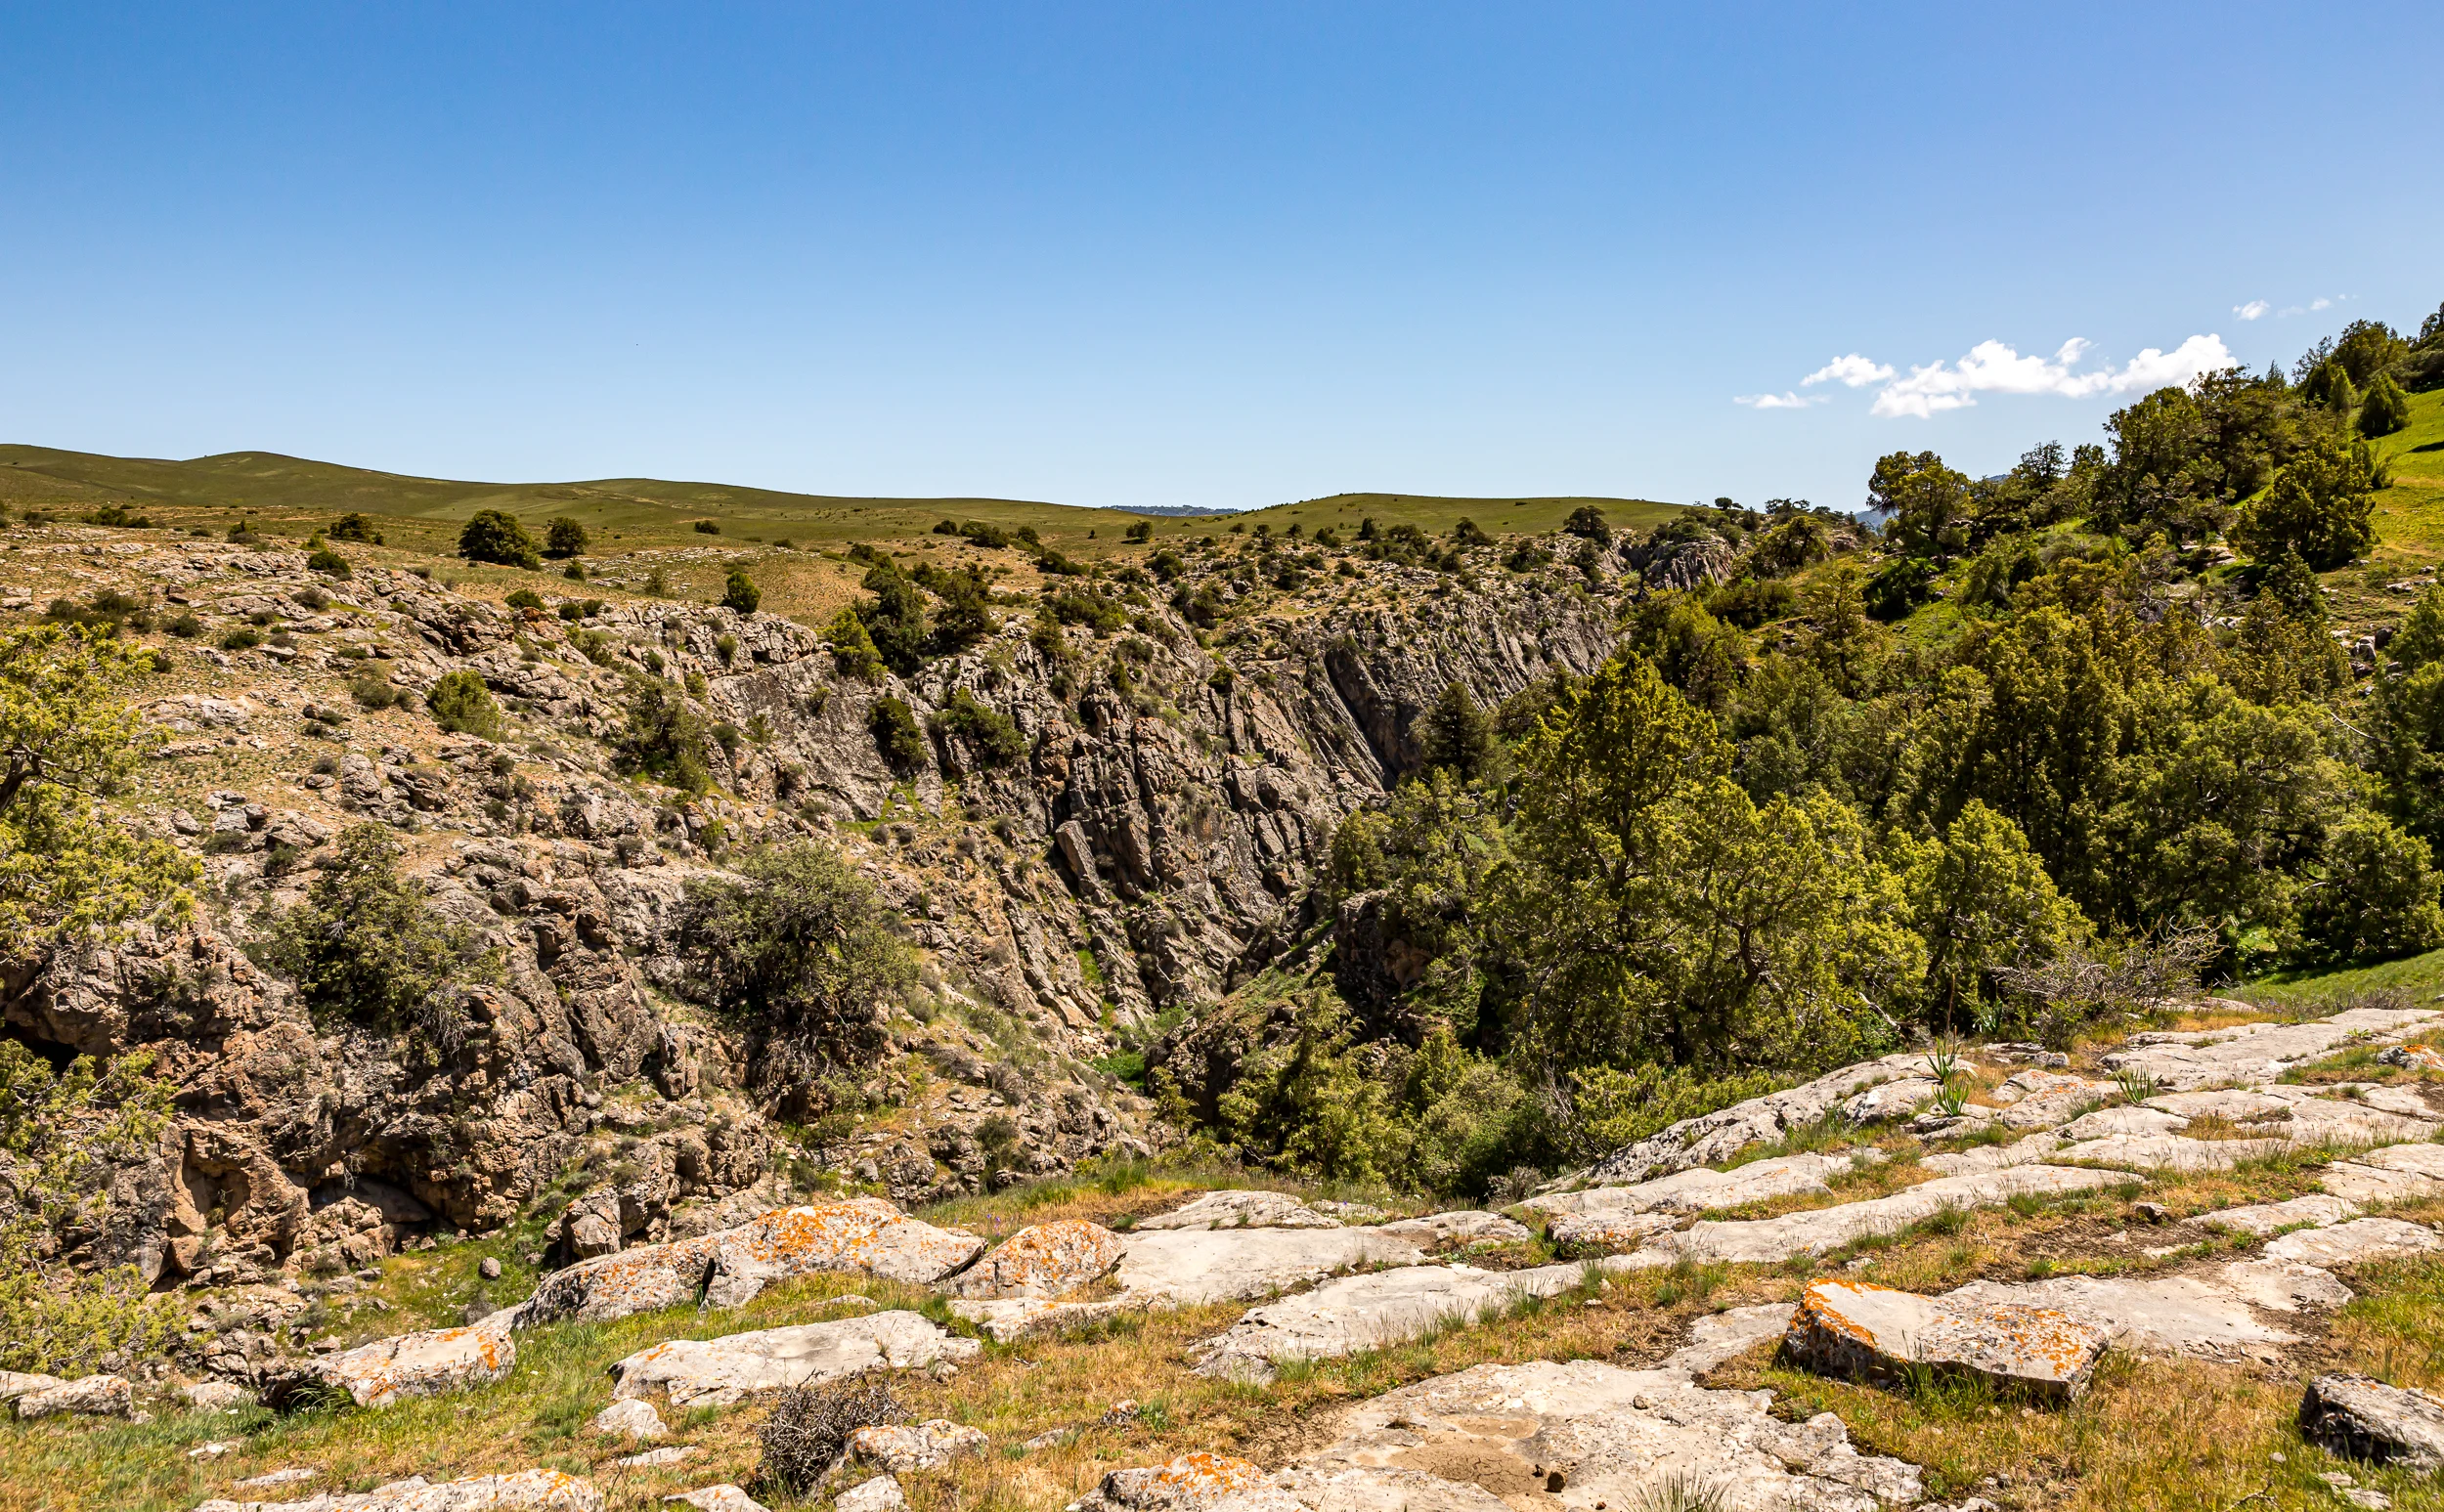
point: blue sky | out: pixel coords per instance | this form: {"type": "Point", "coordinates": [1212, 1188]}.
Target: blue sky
{"type": "Point", "coordinates": [1161, 255]}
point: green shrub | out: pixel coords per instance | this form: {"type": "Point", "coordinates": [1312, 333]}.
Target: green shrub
{"type": "Point", "coordinates": [991, 735]}
{"type": "Point", "coordinates": [496, 535]}
{"type": "Point", "coordinates": [368, 947]}
{"type": "Point", "coordinates": [662, 737]}
{"type": "Point", "coordinates": [563, 537]}
{"type": "Point", "coordinates": [242, 637]}
{"type": "Point", "coordinates": [525, 598]}
{"type": "Point", "coordinates": [373, 688]}
{"type": "Point", "coordinates": [185, 627]}
{"type": "Point", "coordinates": [325, 560]}
{"type": "Point", "coordinates": [797, 944]}
{"type": "Point", "coordinates": [895, 734]}
{"type": "Point", "coordinates": [460, 704]}
{"type": "Point", "coordinates": [740, 592]}
{"type": "Point", "coordinates": [852, 649]}
{"type": "Point", "coordinates": [707, 527]}
{"type": "Point", "coordinates": [355, 527]}
{"type": "Point", "coordinates": [2386, 409]}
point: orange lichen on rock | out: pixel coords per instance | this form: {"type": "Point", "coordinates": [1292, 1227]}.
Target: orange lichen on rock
{"type": "Point", "coordinates": [1855, 1329]}
{"type": "Point", "coordinates": [1045, 1261]}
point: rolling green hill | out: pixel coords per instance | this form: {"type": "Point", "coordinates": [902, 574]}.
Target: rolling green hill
{"type": "Point", "coordinates": [294, 490]}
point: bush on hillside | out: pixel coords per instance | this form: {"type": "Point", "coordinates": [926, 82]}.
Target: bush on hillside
{"type": "Point", "coordinates": [357, 528]}
{"type": "Point", "coordinates": [662, 738]}
{"type": "Point", "coordinates": [368, 947]}
{"type": "Point", "coordinates": [496, 535]}
{"type": "Point", "coordinates": [563, 538]}
{"type": "Point", "coordinates": [740, 592]}
{"type": "Point", "coordinates": [894, 727]}
{"type": "Point", "coordinates": [460, 704]}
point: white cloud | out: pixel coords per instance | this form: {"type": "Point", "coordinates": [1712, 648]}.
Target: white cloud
{"type": "Point", "coordinates": [1782, 400]}
{"type": "Point", "coordinates": [2152, 369]}
{"type": "Point", "coordinates": [2320, 304]}
{"type": "Point", "coordinates": [2252, 310]}
{"type": "Point", "coordinates": [1853, 371]}
{"type": "Point", "coordinates": [1992, 368]}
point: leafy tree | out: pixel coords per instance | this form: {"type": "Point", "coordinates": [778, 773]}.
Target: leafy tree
{"type": "Point", "coordinates": [2386, 409]}
{"type": "Point", "coordinates": [2366, 349]}
{"type": "Point", "coordinates": [1981, 901]}
{"type": "Point", "coordinates": [894, 617]}
{"type": "Point", "coordinates": [894, 727]}
{"type": "Point", "coordinates": [1586, 521]}
{"type": "Point", "coordinates": [368, 947]}
{"type": "Point", "coordinates": [1928, 502]}
{"type": "Point", "coordinates": [62, 1136]}
{"type": "Point", "coordinates": [2377, 895]}
{"type": "Point", "coordinates": [460, 702]}
{"type": "Point", "coordinates": [525, 598]}
{"type": "Point", "coordinates": [1789, 546]}
{"type": "Point", "coordinates": [496, 535]}
{"type": "Point", "coordinates": [355, 527]}
{"type": "Point", "coordinates": [563, 537]}
{"type": "Point", "coordinates": [68, 743]}
{"type": "Point", "coordinates": [1430, 851]}
{"type": "Point", "coordinates": [740, 592]}
{"type": "Point", "coordinates": [852, 649]}
{"type": "Point", "coordinates": [662, 737]}
{"type": "Point", "coordinates": [796, 944]}
{"type": "Point", "coordinates": [1458, 736]}
{"type": "Point", "coordinates": [1468, 533]}
{"type": "Point", "coordinates": [2321, 505]}
{"type": "Point", "coordinates": [1139, 530]}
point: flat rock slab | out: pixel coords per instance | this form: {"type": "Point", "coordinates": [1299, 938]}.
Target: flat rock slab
{"type": "Point", "coordinates": [2027, 1150]}
{"type": "Point", "coordinates": [631, 1419]}
{"type": "Point", "coordinates": [1242, 1210]}
{"type": "Point", "coordinates": [1850, 1328]}
{"type": "Point", "coordinates": [925, 1445]}
{"type": "Point", "coordinates": [89, 1396]}
{"type": "Point", "coordinates": [2350, 1243]}
{"type": "Point", "coordinates": [1720, 1336]}
{"type": "Point", "coordinates": [412, 1365]}
{"type": "Point", "coordinates": [1043, 1260]}
{"type": "Point", "coordinates": [2362, 1418]}
{"type": "Point", "coordinates": [1187, 1484]}
{"type": "Point", "coordinates": [1464, 1227]}
{"type": "Point", "coordinates": [2165, 1152]}
{"type": "Point", "coordinates": [723, 1373]}
{"type": "Point", "coordinates": [1711, 1139]}
{"type": "Point", "coordinates": [1357, 1313]}
{"type": "Point", "coordinates": [1002, 1320]}
{"type": "Point", "coordinates": [2335, 1121]}
{"type": "Point", "coordinates": [1899, 1098]}
{"type": "Point", "coordinates": [2232, 1105]}
{"type": "Point", "coordinates": [2394, 1174]}
{"type": "Point", "coordinates": [880, 1495]}
{"type": "Point", "coordinates": [724, 1498]}
{"type": "Point", "coordinates": [1608, 1234]}
{"type": "Point", "coordinates": [2250, 1053]}
{"type": "Point", "coordinates": [1186, 1267]}
{"type": "Point", "coordinates": [864, 1236]}
{"type": "Point", "coordinates": [1694, 1191]}
{"type": "Point", "coordinates": [523, 1491]}
{"type": "Point", "coordinates": [16, 1383]}
{"type": "Point", "coordinates": [1767, 1240]}
{"type": "Point", "coordinates": [2047, 1100]}
{"type": "Point", "coordinates": [2122, 1120]}
{"type": "Point", "coordinates": [2175, 1315]}
{"type": "Point", "coordinates": [2317, 1210]}
{"type": "Point", "coordinates": [2281, 1286]}
{"type": "Point", "coordinates": [1572, 1435]}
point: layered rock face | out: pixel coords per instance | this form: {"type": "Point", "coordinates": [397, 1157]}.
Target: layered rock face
{"type": "Point", "coordinates": [1153, 847]}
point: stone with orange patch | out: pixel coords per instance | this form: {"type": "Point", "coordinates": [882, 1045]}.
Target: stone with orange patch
{"type": "Point", "coordinates": [1854, 1329]}
{"type": "Point", "coordinates": [411, 1364]}
{"type": "Point", "coordinates": [1045, 1260]}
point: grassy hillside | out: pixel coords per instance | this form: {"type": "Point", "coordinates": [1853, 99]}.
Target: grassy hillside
{"type": "Point", "coordinates": [288, 493]}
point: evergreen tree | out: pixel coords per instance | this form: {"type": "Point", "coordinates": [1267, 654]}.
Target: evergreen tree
{"type": "Point", "coordinates": [740, 592]}
{"type": "Point", "coordinates": [895, 617]}
{"type": "Point", "coordinates": [2386, 409]}
{"type": "Point", "coordinates": [1459, 736]}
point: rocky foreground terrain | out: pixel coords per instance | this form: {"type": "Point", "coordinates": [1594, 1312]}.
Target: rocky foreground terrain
{"type": "Point", "coordinates": [2215, 1206]}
